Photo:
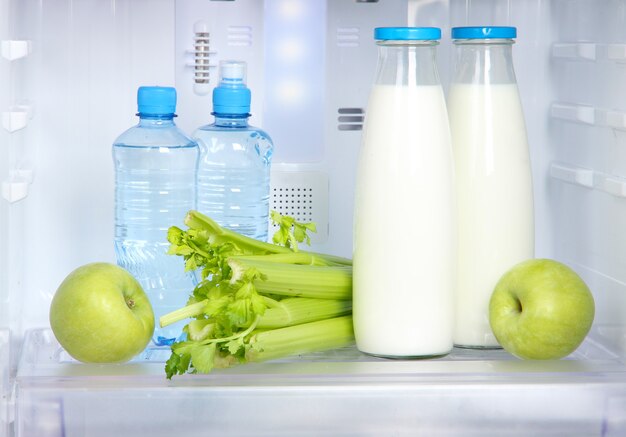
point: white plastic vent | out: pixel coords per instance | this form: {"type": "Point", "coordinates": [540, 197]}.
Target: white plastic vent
{"type": "Point", "coordinates": [304, 196]}
{"type": "Point", "coordinates": [348, 37]}
{"type": "Point", "coordinates": [202, 58]}
{"type": "Point", "coordinates": [239, 36]}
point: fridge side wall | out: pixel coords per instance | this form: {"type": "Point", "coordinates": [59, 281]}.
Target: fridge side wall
{"type": "Point", "coordinates": [78, 85]}
{"type": "Point", "coordinates": [5, 145]}
{"type": "Point", "coordinates": [586, 132]}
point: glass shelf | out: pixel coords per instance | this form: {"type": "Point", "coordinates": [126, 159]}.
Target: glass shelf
{"type": "Point", "coordinates": [339, 392]}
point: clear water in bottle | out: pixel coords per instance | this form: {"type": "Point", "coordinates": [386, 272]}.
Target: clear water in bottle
{"type": "Point", "coordinates": [155, 171]}
{"type": "Point", "coordinates": [235, 159]}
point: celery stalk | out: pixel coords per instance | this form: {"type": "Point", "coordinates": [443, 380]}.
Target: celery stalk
{"type": "Point", "coordinates": [287, 312]}
{"type": "Point", "coordinates": [322, 282]}
{"type": "Point", "coordinates": [300, 258]}
{"type": "Point", "coordinates": [219, 235]}
{"type": "Point", "coordinates": [237, 315]}
{"type": "Point", "coordinates": [300, 339]}
{"type": "Point", "coordinates": [294, 311]}
{"type": "Point", "coordinates": [186, 312]}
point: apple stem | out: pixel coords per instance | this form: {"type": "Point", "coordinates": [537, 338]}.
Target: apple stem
{"type": "Point", "coordinates": [519, 306]}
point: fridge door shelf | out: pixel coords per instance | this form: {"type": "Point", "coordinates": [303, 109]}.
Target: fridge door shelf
{"type": "Point", "coordinates": [339, 392]}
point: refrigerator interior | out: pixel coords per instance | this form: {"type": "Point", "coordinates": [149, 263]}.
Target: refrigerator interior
{"type": "Point", "coordinates": [69, 70]}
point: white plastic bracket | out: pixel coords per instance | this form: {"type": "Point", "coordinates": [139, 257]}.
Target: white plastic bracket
{"type": "Point", "coordinates": [573, 175]}
{"type": "Point", "coordinates": [613, 185]}
{"type": "Point", "coordinates": [16, 188]}
{"type": "Point", "coordinates": [616, 52]}
{"type": "Point", "coordinates": [16, 117]}
{"type": "Point", "coordinates": [583, 51]}
{"type": "Point", "coordinates": [590, 51]}
{"type": "Point", "coordinates": [16, 49]}
{"type": "Point", "coordinates": [570, 112]}
{"type": "Point", "coordinates": [589, 115]}
{"type": "Point", "coordinates": [610, 118]}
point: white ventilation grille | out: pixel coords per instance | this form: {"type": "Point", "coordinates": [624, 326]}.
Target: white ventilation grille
{"type": "Point", "coordinates": [201, 45]}
{"type": "Point", "coordinates": [302, 195]}
{"type": "Point", "coordinates": [203, 58]}
{"type": "Point", "coordinates": [348, 37]}
{"type": "Point", "coordinates": [239, 36]}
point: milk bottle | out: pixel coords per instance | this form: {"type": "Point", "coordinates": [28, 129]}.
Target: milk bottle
{"type": "Point", "coordinates": [405, 220]}
{"type": "Point", "coordinates": [493, 178]}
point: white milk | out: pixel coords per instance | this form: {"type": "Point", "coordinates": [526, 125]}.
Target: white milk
{"type": "Point", "coordinates": [495, 200]}
{"type": "Point", "coordinates": [405, 225]}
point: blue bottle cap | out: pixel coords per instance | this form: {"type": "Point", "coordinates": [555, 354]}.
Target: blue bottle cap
{"type": "Point", "coordinates": [407, 33]}
{"type": "Point", "coordinates": [156, 100]}
{"type": "Point", "coordinates": [232, 96]}
{"type": "Point", "coordinates": [484, 32]}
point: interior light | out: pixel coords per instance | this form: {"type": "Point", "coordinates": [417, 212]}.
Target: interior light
{"type": "Point", "coordinates": [290, 50]}
{"type": "Point", "coordinates": [291, 92]}
{"type": "Point", "coordinates": [292, 9]}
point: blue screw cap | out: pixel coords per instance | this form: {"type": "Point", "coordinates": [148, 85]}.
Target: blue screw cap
{"type": "Point", "coordinates": [407, 33]}
{"type": "Point", "coordinates": [232, 96]}
{"type": "Point", "coordinates": [156, 100]}
{"type": "Point", "coordinates": [484, 32]}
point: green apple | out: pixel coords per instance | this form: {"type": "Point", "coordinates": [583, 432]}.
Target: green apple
{"type": "Point", "coordinates": [541, 309]}
{"type": "Point", "coordinates": [100, 314]}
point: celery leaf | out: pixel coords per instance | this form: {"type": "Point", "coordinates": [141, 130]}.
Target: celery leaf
{"type": "Point", "coordinates": [177, 364]}
{"type": "Point", "coordinates": [203, 357]}
{"type": "Point", "coordinates": [290, 232]}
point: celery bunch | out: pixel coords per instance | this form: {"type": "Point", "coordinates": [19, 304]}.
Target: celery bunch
{"type": "Point", "coordinates": [257, 301]}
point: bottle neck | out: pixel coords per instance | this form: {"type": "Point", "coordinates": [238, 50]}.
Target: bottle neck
{"type": "Point", "coordinates": [407, 63]}
{"type": "Point", "coordinates": [231, 120]}
{"type": "Point", "coordinates": [153, 120]}
{"type": "Point", "coordinates": [484, 62]}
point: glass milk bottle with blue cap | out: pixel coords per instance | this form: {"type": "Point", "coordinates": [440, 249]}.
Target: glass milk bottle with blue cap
{"type": "Point", "coordinates": [235, 159]}
{"type": "Point", "coordinates": [405, 219]}
{"type": "Point", "coordinates": [493, 174]}
{"type": "Point", "coordinates": [155, 175]}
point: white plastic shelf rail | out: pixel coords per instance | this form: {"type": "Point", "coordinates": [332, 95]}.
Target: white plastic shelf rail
{"type": "Point", "coordinates": [16, 188]}
{"type": "Point", "coordinates": [14, 119]}
{"type": "Point", "coordinates": [590, 51]}
{"type": "Point", "coordinates": [584, 177]}
{"type": "Point", "coordinates": [589, 115]}
{"type": "Point", "coordinates": [15, 49]}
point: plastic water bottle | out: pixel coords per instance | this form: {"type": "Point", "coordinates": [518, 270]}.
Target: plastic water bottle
{"type": "Point", "coordinates": [235, 159]}
{"type": "Point", "coordinates": [155, 173]}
